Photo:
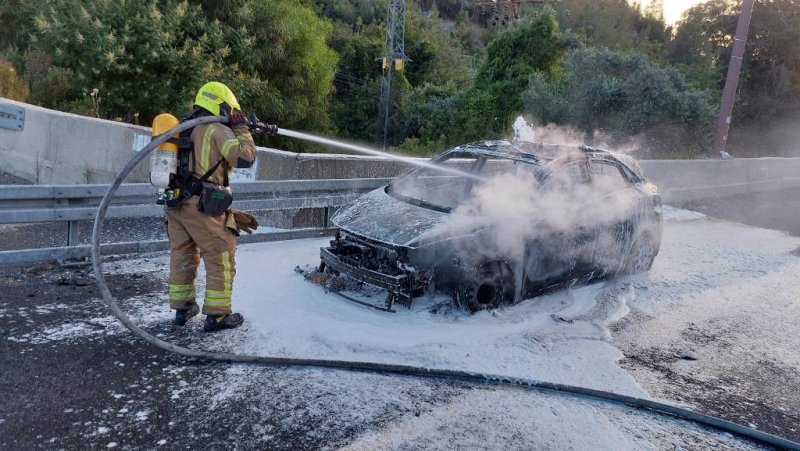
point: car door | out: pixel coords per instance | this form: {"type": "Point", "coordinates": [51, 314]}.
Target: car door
{"type": "Point", "coordinates": [556, 254]}
{"type": "Point", "coordinates": [617, 202]}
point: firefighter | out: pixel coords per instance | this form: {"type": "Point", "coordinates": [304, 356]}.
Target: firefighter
{"type": "Point", "coordinates": [197, 229]}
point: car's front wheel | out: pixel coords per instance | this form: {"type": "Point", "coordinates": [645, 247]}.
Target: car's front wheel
{"type": "Point", "coordinates": [491, 285]}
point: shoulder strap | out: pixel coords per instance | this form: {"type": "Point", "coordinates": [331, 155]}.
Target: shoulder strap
{"type": "Point", "coordinates": [207, 175]}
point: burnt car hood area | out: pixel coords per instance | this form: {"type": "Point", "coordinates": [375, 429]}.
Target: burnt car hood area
{"type": "Point", "coordinates": [390, 221]}
{"type": "Point", "coordinates": [518, 223]}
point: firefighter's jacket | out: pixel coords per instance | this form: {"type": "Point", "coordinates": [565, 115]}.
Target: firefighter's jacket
{"type": "Point", "coordinates": [216, 141]}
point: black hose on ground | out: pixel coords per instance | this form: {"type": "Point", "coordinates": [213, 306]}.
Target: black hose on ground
{"type": "Point", "coordinates": [383, 368]}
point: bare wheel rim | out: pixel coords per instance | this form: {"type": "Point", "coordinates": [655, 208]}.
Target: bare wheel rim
{"type": "Point", "coordinates": [492, 287]}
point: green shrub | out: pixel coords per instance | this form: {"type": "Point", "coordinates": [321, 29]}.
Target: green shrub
{"type": "Point", "coordinates": [12, 86]}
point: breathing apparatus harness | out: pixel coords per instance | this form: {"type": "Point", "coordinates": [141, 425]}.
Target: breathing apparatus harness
{"type": "Point", "coordinates": [184, 184]}
{"type": "Point", "coordinates": [172, 167]}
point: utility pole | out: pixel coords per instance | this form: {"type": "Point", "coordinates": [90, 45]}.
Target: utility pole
{"type": "Point", "coordinates": [394, 59]}
{"type": "Point", "coordinates": [732, 82]}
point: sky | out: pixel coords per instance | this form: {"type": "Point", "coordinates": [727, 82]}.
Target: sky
{"type": "Point", "coordinates": [674, 8]}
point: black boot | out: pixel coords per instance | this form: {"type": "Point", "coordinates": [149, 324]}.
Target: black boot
{"type": "Point", "coordinates": [229, 321]}
{"type": "Point", "coordinates": [183, 315]}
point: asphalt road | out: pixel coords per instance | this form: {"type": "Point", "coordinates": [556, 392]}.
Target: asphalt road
{"type": "Point", "coordinates": [105, 389]}
{"type": "Point", "coordinates": [73, 379]}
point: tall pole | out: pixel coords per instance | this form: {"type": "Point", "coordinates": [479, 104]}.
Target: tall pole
{"type": "Point", "coordinates": [732, 82]}
{"type": "Point", "coordinates": [394, 59]}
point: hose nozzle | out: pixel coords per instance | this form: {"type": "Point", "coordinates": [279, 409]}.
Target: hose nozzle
{"type": "Point", "coordinates": [258, 127]}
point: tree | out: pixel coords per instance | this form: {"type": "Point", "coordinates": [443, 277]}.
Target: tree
{"type": "Point", "coordinates": [655, 9]}
{"type": "Point", "coordinates": [133, 60]}
{"type": "Point", "coordinates": [358, 86]}
{"type": "Point", "coordinates": [11, 85]}
{"type": "Point", "coordinates": [770, 80]}
{"type": "Point", "coordinates": [623, 94]}
{"type": "Point", "coordinates": [435, 57]}
{"type": "Point", "coordinates": [281, 62]}
{"type": "Point", "coordinates": [511, 59]}
{"type": "Point", "coordinates": [354, 13]}
{"type": "Point", "coordinates": [222, 10]}
{"type": "Point", "coordinates": [432, 119]}
{"type": "Point", "coordinates": [616, 24]}
{"type": "Point", "coordinates": [142, 58]}
{"type": "Point", "coordinates": [767, 106]}
{"type": "Point", "coordinates": [11, 33]}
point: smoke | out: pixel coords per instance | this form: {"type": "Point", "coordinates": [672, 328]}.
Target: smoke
{"type": "Point", "coordinates": [549, 134]}
{"type": "Point", "coordinates": [561, 135]}
{"type": "Point", "coordinates": [778, 138]}
{"type": "Point", "coordinates": [520, 221]}
{"type": "Point", "coordinates": [523, 131]}
{"type": "Point", "coordinates": [516, 209]}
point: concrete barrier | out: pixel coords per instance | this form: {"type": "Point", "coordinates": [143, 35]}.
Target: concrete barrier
{"type": "Point", "coordinates": [62, 148]}
{"type": "Point", "coordinates": [683, 181]}
{"type": "Point", "coordinates": [277, 165]}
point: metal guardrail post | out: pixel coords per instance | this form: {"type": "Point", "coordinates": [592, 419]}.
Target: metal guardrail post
{"type": "Point", "coordinates": [73, 229]}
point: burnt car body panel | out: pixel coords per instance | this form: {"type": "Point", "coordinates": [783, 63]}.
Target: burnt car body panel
{"type": "Point", "coordinates": [390, 239]}
{"type": "Point", "coordinates": [382, 223]}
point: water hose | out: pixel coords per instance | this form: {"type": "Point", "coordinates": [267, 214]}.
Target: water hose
{"type": "Point", "coordinates": [385, 368]}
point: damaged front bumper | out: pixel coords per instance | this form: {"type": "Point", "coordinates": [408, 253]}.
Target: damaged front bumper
{"type": "Point", "coordinates": [375, 265]}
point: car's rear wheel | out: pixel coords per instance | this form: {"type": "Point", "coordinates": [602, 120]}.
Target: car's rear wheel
{"type": "Point", "coordinates": [491, 286]}
{"type": "Point", "coordinates": [640, 255]}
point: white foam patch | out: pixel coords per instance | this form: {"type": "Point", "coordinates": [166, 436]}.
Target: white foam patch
{"type": "Point", "coordinates": [505, 419]}
{"type": "Point", "coordinates": [139, 307]}
{"type": "Point", "coordinates": [287, 316]}
{"type": "Point", "coordinates": [679, 214]}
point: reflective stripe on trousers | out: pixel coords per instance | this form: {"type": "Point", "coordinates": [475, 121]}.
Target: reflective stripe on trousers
{"type": "Point", "coordinates": [221, 299]}
{"type": "Point", "coordinates": [179, 293]}
{"type": "Point", "coordinates": [192, 234]}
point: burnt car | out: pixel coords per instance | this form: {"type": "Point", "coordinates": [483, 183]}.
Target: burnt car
{"type": "Point", "coordinates": [506, 221]}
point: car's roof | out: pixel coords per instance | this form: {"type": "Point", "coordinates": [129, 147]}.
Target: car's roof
{"type": "Point", "coordinates": [499, 149]}
{"type": "Point", "coordinates": [544, 153]}
{"type": "Point", "coordinates": [540, 153]}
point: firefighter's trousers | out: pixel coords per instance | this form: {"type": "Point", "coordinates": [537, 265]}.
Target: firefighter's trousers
{"type": "Point", "coordinates": [193, 234]}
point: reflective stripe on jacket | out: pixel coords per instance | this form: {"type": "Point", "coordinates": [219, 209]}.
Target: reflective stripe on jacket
{"type": "Point", "coordinates": [216, 141]}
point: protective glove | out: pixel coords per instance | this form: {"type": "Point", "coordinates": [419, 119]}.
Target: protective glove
{"type": "Point", "coordinates": [245, 222]}
{"type": "Point", "coordinates": [237, 119]}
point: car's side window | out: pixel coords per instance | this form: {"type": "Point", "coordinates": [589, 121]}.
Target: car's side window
{"type": "Point", "coordinates": [565, 179]}
{"type": "Point", "coordinates": [607, 177]}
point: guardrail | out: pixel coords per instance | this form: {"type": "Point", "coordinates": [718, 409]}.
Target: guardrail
{"type": "Point", "coordinates": [26, 204]}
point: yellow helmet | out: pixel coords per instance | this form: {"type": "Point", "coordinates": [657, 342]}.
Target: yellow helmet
{"type": "Point", "coordinates": [216, 98]}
